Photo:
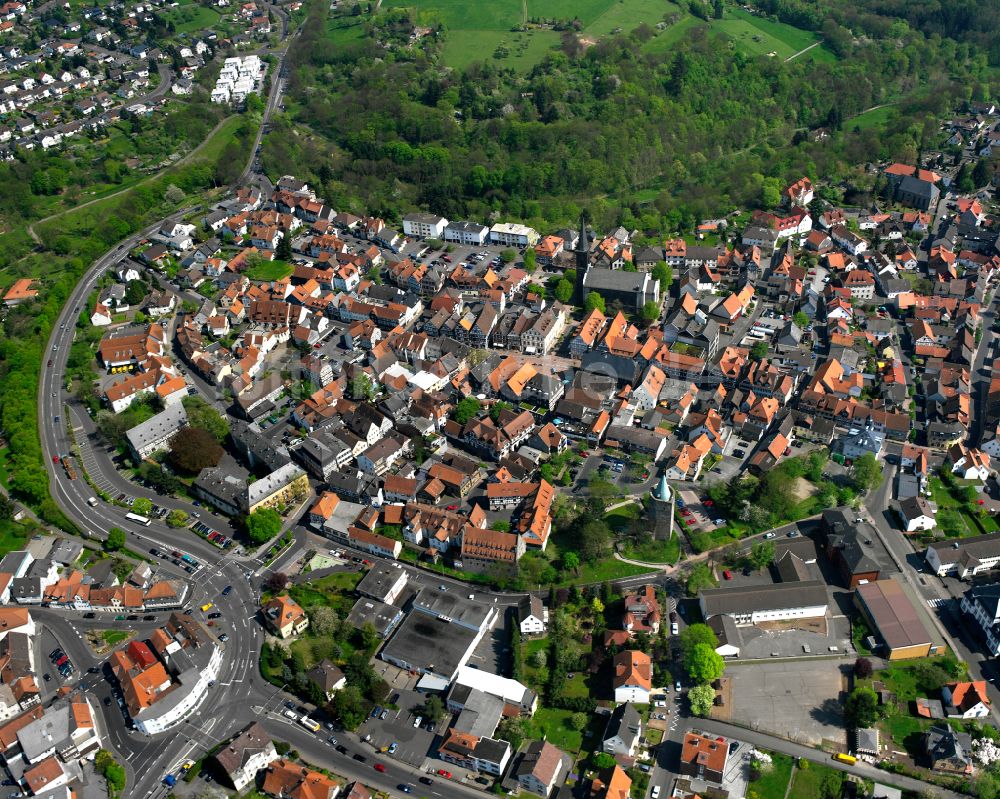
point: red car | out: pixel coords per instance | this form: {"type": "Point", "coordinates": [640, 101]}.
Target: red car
{"type": "Point", "coordinates": [379, 767]}
{"type": "Point", "coordinates": [584, 453]}
{"type": "Point", "coordinates": [727, 574]}
{"type": "Point", "coordinates": [453, 507]}
{"type": "Point", "coordinates": [445, 774]}
{"type": "Point", "coordinates": [689, 521]}
{"type": "Point", "coordinates": [55, 459]}
{"type": "Point", "coordinates": [708, 502]}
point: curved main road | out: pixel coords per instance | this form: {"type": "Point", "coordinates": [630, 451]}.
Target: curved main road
{"type": "Point", "coordinates": [147, 759]}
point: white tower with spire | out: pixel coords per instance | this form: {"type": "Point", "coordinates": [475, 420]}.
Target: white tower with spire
{"type": "Point", "coordinates": [661, 509]}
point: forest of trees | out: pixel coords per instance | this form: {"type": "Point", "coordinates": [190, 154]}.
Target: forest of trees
{"type": "Point", "coordinates": [698, 128]}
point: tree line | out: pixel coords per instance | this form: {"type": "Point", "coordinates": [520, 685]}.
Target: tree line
{"type": "Point", "coordinates": [699, 127]}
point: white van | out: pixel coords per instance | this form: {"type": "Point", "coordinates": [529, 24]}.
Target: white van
{"type": "Point", "coordinates": [92, 502]}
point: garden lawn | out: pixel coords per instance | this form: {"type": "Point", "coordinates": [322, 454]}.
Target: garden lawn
{"type": "Point", "coordinates": [499, 15]}
{"type": "Point", "coordinates": [941, 495]}
{"type": "Point", "coordinates": [334, 590]}
{"type": "Point", "coordinates": [553, 725]}
{"type": "Point", "coordinates": [666, 39]}
{"type": "Point", "coordinates": [114, 637]}
{"type": "Point", "coordinates": [12, 536]}
{"type": "Point", "coordinates": [808, 781]}
{"type": "Point", "coordinates": [905, 730]}
{"type": "Point", "coordinates": [655, 551]}
{"type": "Point", "coordinates": [584, 10]}
{"type": "Point", "coordinates": [619, 518]}
{"type": "Point", "coordinates": [188, 19]}
{"type": "Point", "coordinates": [314, 648]}
{"type": "Point", "coordinates": [609, 569]}
{"type": "Point", "coordinates": [764, 34]}
{"type": "Point", "coordinates": [626, 15]}
{"type": "Point", "coordinates": [577, 686]}
{"type": "Point", "coordinates": [774, 783]}
{"type": "Point", "coordinates": [270, 270]}
{"type": "Point", "coordinates": [902, 678]}
{"type": "Point", "coordinates": [5, 468]}
{"type": "Point", "coordinates": [345, 30]}
{"type": "Point", "coordinates": [523, 49]}
{"type": "Point", "coordinates": [875, 118]}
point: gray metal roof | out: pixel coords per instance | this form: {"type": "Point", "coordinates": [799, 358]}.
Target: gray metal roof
{"type": "Point", "coordinates": [753, 598]}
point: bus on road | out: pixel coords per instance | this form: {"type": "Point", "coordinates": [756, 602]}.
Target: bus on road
{"type": "Point", "coordinates": [135, 517]}
{"type": "Point", "coordinates": [309, 724]}
{"type": "Point", "coordinates": [850, 760]}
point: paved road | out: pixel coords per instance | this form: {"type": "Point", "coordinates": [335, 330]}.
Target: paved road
{"type": "Point", "coordinates": [147, 759]}
{"type": "Point", "coordinates": [860, 769]}
{"type": "Point", "coordinates": [944, 595]}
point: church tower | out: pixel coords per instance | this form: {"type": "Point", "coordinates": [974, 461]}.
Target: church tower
{"type": "Point", "coordinates": [582, 253]}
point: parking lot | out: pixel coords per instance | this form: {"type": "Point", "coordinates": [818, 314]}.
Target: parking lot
{"type": "Point", "coordinates": [694, 514]}
{"type": "Point", "coordinates": [798, 700]}
{"type": "Point", "coordinates": [412, 743]}
{"type": "Point", "coordinates": [48, 672]}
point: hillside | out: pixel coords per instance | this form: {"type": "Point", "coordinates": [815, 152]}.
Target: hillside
{"type": "Point", "coordinates": [645, 113]}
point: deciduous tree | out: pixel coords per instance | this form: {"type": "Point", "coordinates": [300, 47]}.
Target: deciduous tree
{"type": "Point", "coordinates": [861, 708]}
{"type": "Point", "coordinates": [701, 698]}
{"type": "Point", "coordinates": [704, 664]}
{"type": "Point", "coordinates": [276, 581]}
{"type": "Point", "coordinates": [467, 409]}
{"type": "Point", "coordinates": [193, 449]}
{"type": "Point", "coordinates": [263, 525]}
{"type": "Point", "coordinates": [868, 473]}
{"type": "Point", "coordinates": [177, 518]}
{"type": "Point", "coordinates": [142, 506]}
{"type": "Point", "coordinates": [762, 554]}
{"type": "Point", "coordinates": [201, 414]}
{"type": "Point", "coordinates": [115, 540]}
{"type": "Point", "coordinates": [695, 634]}
{"type": "Point", "coordinates": [594, 300]}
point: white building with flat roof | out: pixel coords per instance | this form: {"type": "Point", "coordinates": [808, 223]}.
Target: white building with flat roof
{"type": "Point", "coordinates": [511, 234]}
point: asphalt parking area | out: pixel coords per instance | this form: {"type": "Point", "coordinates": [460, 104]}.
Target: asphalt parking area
{"type": "Point", "coordinates": [412, 743]}
{"type": "Point", "coordinates": [798, 700]}
{"type": "Point", "coordinates": [695, 515]}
